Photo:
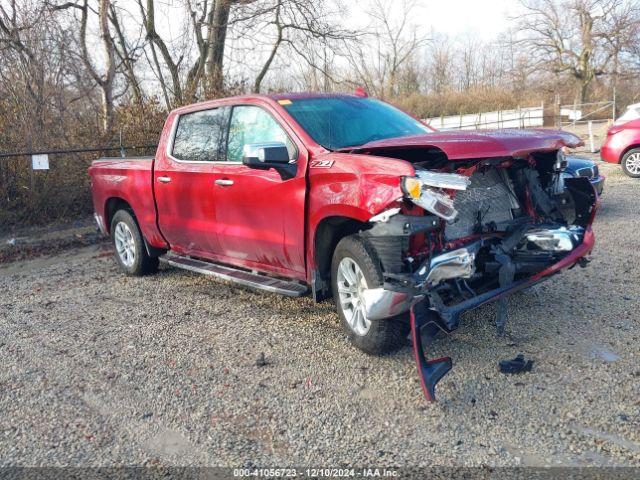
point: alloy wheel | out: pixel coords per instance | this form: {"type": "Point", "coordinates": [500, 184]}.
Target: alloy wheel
{"type": "Point", "coordinates": [125, 244]}
{"type": "Point", "coordinates": [351, 285]}
{"type": "Point", "coordinates": [632, 163]}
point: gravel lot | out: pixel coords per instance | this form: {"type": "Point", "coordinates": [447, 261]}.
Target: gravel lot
{"type": "Point", "coordinates": [100, 370]}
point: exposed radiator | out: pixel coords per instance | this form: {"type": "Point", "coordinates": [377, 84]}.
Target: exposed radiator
{"type": "Point", "coordinates": [487, 199]}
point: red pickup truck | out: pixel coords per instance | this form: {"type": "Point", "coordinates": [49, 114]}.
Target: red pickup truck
{"type": "Point", "coordinates": [347, 197]}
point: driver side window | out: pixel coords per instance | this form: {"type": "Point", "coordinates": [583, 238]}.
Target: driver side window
{"type": "Point", "coordinates": [250, 124]}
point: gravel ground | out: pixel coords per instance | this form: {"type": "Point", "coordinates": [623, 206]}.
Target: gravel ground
{"type": "Point", "coordinates": [102, 370]}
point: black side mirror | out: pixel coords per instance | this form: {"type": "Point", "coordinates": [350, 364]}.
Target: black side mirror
{"type": "Point", "coordinates": [269, 155]}
{"type": "Point", "coordinates": [265, 154]}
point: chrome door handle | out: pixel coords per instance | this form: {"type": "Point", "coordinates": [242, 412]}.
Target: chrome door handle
{"type": "Point", "coordinates": [224, 182]}
{"type": "Point", "coordinates": [164, 179]}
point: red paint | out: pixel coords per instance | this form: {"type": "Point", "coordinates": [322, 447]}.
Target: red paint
{"type": "Point", "coordinates": [186, 213]}
{"type": "Point", "coordinates": [620, 139]}
{"type": "Point", "coordinates": [267, 223]}
{"type": "Point", "coordinates": [130, 181]}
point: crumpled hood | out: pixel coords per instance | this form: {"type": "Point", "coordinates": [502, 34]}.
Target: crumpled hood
{"type": "Point", "coordinates": [461, 145]}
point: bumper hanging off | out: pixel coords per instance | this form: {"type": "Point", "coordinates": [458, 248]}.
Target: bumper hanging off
{"type": "Point", "coordinates": [429, 371]}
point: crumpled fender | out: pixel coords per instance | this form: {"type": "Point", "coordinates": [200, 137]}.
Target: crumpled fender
{"type": "Point", "coordinates": [352, 186]}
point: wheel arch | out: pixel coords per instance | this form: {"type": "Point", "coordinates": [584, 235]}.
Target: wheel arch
{"type": "Point", "coordinates": [113, 205]}
{"type": "Point", "coordinates": [627, 150]}
{"type": "Point", "coordinates": [329, 231]}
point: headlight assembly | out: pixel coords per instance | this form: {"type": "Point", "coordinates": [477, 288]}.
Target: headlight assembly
{"type": "Point", "coordinates": [426, 191]}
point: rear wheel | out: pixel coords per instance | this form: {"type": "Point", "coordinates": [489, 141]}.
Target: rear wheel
{"type": "Point", "coordinates": [355, 268]}
{"type": "Point", "coordinates": [131, 253]}
{"type": "Point", "coordinates": [631, 163]}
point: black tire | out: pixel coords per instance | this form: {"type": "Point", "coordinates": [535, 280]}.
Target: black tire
{"type": "Point", "coordinates": [383, 336]}
{"type": "Point", "coordinates": [142, 263]}
{"type": "Point", "coordinates": [636, 153]}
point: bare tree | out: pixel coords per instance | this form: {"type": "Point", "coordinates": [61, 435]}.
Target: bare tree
{"type": "Point", "coordinates": [378, 60]}
{"type": "Point", "coordinates": [127, 55]}
{"type": "Point", "coordinates": [24, 51]}
{"type": "Point", "coordinates": [147, 14]}
{"type": "Point", "coordinates": [581, 38]}
{"type": "Point", "coordinates": [104, 80]}
{"type": "Point", "coordinates": [441, 65]}
{"type": "Point", "coordinates": [304, 28]}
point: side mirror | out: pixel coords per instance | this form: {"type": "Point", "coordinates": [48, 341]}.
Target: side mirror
{"type": "Point", "coordinates": [265, 155]}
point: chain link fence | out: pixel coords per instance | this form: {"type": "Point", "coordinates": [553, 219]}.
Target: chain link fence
{"type": "Point", "coordinates": [31, 196]}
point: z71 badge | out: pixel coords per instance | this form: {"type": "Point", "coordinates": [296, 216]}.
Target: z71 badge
{"type": "Point", "coordinates": [321, 164]}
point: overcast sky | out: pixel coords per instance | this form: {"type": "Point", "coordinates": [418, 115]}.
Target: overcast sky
{"type": "Point", "coordinates": [484, 18]}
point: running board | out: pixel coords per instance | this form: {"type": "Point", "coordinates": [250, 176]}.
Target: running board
{"type": "Point", "coordinates": [243, 277]}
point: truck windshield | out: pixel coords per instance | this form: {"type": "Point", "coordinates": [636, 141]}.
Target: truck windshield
{"type": "Point", "coordinates": [339, 122]}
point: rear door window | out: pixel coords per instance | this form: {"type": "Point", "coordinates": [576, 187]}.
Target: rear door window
{"type": "Point", "coordinates": [199, 136]}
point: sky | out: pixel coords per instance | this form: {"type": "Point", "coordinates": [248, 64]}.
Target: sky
{"type": "Point", "coordinates": [484, 19]}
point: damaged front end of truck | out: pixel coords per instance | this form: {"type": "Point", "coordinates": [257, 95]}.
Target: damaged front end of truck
{"type": "Point", "coordinates": [472, 231]}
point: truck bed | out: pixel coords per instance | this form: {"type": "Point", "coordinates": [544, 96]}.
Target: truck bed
{"type": "Point", "coordinates": [129, 179]}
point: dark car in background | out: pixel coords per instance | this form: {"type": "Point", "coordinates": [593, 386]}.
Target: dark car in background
{"type": "Point", "coordinates": [583, 167]}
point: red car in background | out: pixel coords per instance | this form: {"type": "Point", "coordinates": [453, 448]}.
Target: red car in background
{"type": "Point", "coordinates": [622, 144]}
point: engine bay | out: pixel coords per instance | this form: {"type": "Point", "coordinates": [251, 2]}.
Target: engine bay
{"type": "Point", "coordinates": [474, 229]}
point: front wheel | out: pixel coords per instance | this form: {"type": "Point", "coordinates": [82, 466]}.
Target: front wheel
{"type": "Point", "coordinates": [631, 163]}
{"type": "Point", "coordinates": [355, 268]}
{"type": "Point", "coordinates": [131, 252]}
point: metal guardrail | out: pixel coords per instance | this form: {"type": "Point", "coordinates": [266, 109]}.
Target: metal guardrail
{"type": "Point", "coordinates": [498, 123]}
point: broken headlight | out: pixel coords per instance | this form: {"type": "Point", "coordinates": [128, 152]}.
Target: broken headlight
{"type": "Point", "coordinates": [426, 190]}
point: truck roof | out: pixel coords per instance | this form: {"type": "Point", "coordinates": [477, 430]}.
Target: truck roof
{"type": "Point", "coordinates": [305, 95]}
{"type": "Point", "coordinates": [270, 96]}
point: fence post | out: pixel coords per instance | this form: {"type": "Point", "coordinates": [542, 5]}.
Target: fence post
{"type": "Point", "coordinates": [520, 117]}
{"type": "Point", "coordinates": [591, 136]}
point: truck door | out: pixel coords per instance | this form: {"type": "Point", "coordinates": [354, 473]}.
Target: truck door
{"type": "Point", "coordinates": [259, 214]}
{"type": "Point", "coordinates": [183, 181]}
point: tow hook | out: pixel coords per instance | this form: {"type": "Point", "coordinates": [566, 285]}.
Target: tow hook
{"type": "Point", "coordinates": [429, 371]}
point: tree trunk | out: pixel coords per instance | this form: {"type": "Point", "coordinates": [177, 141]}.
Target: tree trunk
{"type": "Point", "coordinates": [105, 82]}
{"type": "Point", "coordinates": [125, 58]}
{"type": "Point", "coordinates": [150, 26]}
{"type": "Point", "coordinates": [265, 68]}
{"type": "Point", "coordinates": [107, 110]}
{"type": "Point", "coordinates": [217, 39]}
{"type": "Point", "coordinates": [584, 90]}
